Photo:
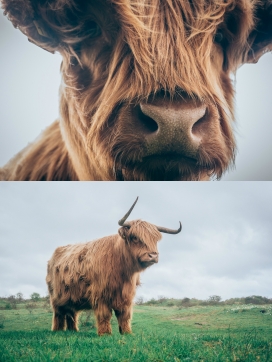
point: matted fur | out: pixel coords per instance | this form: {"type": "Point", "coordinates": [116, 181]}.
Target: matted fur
{"type": "Point", "coordinates": [100, 275]}
{"type": "Point", "coordinates": [148, 50]}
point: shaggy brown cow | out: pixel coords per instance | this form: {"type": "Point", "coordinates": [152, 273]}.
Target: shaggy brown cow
{"type": "Point", "coordinates": [146, 92]}
{"type": "Point", "coordinates": [102, 275]}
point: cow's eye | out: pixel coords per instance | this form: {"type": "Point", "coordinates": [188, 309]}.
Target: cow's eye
{"type": "Point", "coordinates": [218, 38]}
{"type": "Point", "coordinates": [93, 29]}
{"type": "Point", "coordinates": [134, 239]}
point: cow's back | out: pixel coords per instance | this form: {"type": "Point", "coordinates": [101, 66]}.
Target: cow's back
{"type": "Point", "coordinates": [78, 274]}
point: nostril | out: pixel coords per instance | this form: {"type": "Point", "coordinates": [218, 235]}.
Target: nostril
{"type": "Point", "coordinates": [148, 125]}
{"type": "Point", "coordinates": [199, 127]}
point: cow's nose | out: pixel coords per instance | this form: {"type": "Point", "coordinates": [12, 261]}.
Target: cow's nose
{"type": "Point", "coordinates": [173, 126]}
{"type": "Point", "coordinates": [154, 257]}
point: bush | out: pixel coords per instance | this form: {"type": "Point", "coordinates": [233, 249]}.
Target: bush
{"type": "Point", "coordinates": [185, 302]}
{"type": "Point", "coordinates": [152, 301]}
{"type": "Point", "coordinates": [12, 301]}
{"type": "Point", "coordinates": [161, 299]}
{"type": "Point", "coordinates": [139, 301]}
{"type": "Point", "coordinates": [35, 297]}
{"type": "Point", "coordinates": [30, 307]}
{"type": "Point", "coordinates": [19, 297]}
{"type": "Point", "coordinates": [214, 299]}
{"type": "Point", "coordinates": [257, 299]}
{"type": "Point", "coordinates": [2, 320]}
{"type": "Point", "coordinates": [8, 306]}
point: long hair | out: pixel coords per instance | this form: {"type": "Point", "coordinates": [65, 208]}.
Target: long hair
{"type": "Point", "coordinates": [99, 270]}
{"type": "Point", "coordinates": [147, 47]}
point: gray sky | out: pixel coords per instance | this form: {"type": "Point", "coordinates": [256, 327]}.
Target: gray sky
{"type": "Point", "coordinates": [29, 103]}
{"type": "Point", "coordinates": [225, 247]}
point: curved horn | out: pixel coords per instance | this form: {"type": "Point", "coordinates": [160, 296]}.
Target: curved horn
{"type": "Point", "coordinates": [121, 222]}
{"type": "Point", "coordinates": [169, 231]}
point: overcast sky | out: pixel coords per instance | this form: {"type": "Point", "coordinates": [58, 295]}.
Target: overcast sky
{"type": "Point", "coordinates": [29, 85]}
{"type": "Point", "coordinates": [225, 247]}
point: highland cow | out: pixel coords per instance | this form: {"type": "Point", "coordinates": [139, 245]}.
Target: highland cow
{"type": "Point", "coordinates": [102, 275]}
{"type": "Point", "coordinates": [146, 91]}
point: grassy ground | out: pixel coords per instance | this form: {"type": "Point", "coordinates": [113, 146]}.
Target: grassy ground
{"type": "Point", "coordinates": [208, 333]}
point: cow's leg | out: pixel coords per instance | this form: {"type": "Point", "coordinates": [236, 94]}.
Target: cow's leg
{"type": "Point", "coordinates": [103, 316]}
{"type": "Point", "coordinates": [72, 320]}
{"type": "Point", "coordinates": [59, 319]}
{"type": "Point", "coordinates": [124, 319]}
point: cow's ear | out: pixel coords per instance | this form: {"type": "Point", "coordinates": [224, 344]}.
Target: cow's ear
{"type": "Point", "coordinates": [260, 39]}
{"type": "Point", "coordinates": [52, 25]}
{"type": "Point", "coordinates": [123, 232]}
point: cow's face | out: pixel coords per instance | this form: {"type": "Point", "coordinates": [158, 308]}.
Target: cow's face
{"type": "Point", "coordinates": [141, 240]}
{"type": "Point", "coordinates": [147, 92]}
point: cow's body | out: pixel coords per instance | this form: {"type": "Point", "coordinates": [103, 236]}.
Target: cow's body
{"type": "Point", "coordinates": [146, 92]}
{"type": "Point", "coordinates": [98, 275]}
{"type": "Point", "coordinates": [102, 275]}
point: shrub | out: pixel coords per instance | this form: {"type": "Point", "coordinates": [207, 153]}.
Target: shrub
{"type": "Point", "coordinates": [185, 302]}
{"type": "Point", "coordinates": [256, 299]}
{"type": "Point", "coordinates": [214, 299]}
{"type": "Point", "coordinates": [139, 301]}
{"type": "Point", "coordinates": [161, 299]}
{"type": "Point", "coordinates": [35, 297]}
{"type": "Point", "coordinates": [30, 307]}
{"type": "Point", "coordinates": [2, 320]}
{"type": "Point", "coordinates": [12, 301]}
{"type": "Point", "coordinates": [19, 297]}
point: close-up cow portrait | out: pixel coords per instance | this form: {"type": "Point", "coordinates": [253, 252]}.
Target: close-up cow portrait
{"type": "Point", "coordinates": [102, 275]}
{"type": "Point", "coordinates": [147, 86]}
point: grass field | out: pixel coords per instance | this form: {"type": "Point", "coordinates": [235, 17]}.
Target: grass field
{"type": "Point", "coordinates": [160, 333]}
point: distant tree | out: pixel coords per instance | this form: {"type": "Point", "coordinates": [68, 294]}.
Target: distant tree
{"type": "Point", "coordinates": [20, 297]}
{"type": "Point", "coordinates": [152, 301]}
{"type": "Point", "coordinates": [12, 301]}
{"type": "Point", "coordinates": [30, 307]}
{"type": "Point", "coordinates": [185, 302]}
{"type": "Point", "coordinates": [214, 298]}
{"type": "Point", "coordinates": [35, 297]}
{"type": "Point", "coordinates": [46, 304]}
{"type": "Point", "coordinates": [139, 301]}
{"type": "Point", "coordinates": [161, 298]}
{"type": "Point", "coordinates": [256, 299]}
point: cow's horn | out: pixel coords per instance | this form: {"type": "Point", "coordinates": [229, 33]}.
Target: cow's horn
{"type": "Point", "coordinates": [169, 231]}
{"type": "Point", "coordinates": [121, 222]}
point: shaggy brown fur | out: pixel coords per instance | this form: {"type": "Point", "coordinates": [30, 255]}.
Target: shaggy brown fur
{"type": "Point", "coordinates": [101, 275]}
{"type": "Point", "coordinates": [121, 57]}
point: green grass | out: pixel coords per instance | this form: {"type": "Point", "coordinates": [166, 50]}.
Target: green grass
{"type": "Point", "coordinates": [207, 333]}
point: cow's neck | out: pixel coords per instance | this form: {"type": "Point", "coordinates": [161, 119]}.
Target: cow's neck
{"type": "Point", "coordinates": [46, 159]}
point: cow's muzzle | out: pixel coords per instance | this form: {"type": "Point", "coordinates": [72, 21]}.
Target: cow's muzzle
{"type": "Point", "coordinates": [172, 126]}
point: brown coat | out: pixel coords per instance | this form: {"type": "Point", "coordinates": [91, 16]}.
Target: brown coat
{"type": "Point", "coordinates": [101, 275]}
{"type": "Point", "coordinates": [146, 92]}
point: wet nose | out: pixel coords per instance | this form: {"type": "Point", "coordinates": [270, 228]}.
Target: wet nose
{"type": "Point", "coordinates": [177, 126]}
{"type": "Point", "coordinates": [154, 257]}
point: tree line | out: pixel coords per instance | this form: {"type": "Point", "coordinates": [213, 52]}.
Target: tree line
{"type": "Point", "coordinates": [12, 301]}
{"type": "Point", "coordinates": [212, 300]}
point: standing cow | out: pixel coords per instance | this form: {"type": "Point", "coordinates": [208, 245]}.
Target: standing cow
{"type": "Point", "coordinates": [102, 275]}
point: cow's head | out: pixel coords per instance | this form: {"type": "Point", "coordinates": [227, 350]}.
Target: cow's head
{"type": "Point", "coordinates": [147, 93]}
{"type": "Point", "coordinates": [141, 238]}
